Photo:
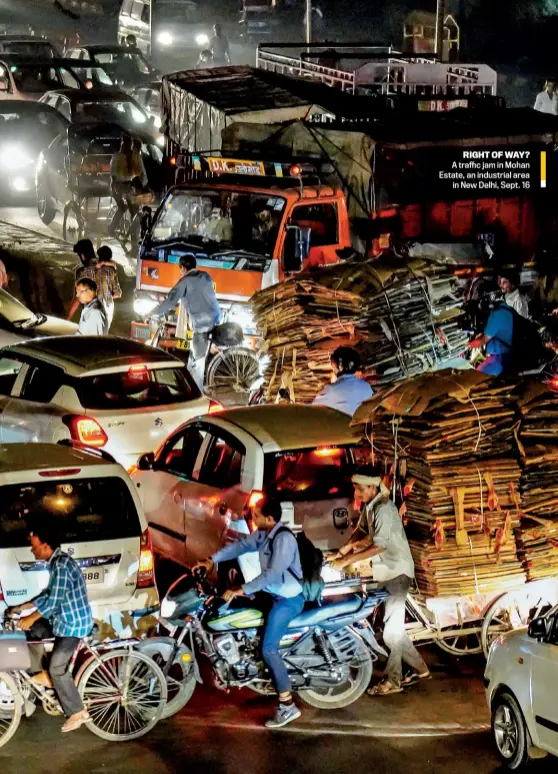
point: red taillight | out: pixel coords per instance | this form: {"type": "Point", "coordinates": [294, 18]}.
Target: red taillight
{"type": "Point", "coordinates": [138, 368]}
{"type": "Point", "coordinates": [327, 452]}
{"type": "Point", "coordinates": [215, 407]}
{"type": "Point", "coordinates": [85, 430]}
{"type": "Point", "coordinates": [59, 473]}
{"type": "Point", "coordinates": [295, 170]}
{"type": "Point", "coordinates": [146, 575]}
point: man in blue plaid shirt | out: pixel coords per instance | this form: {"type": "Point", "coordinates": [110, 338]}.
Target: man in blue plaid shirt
{"type": "Point", "coordinates": [65, 606]}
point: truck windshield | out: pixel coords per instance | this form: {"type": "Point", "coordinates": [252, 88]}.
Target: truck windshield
{"type": "Point", "coordinates": [217, 219]}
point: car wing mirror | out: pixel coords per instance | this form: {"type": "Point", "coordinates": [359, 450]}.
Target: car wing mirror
{"type": "Point", "coordinates": [537, 629]}
{"type": "Point", "coordinates": [146, 461]}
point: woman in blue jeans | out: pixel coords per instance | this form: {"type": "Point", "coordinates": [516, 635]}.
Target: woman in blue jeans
{"type": "Point", "coordinates": [280, 570]}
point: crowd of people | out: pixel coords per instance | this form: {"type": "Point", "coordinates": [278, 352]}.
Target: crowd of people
{"type": "Point", "coordinates": [96, 288]}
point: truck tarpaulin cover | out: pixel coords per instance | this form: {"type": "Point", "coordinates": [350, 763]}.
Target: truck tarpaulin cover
{"type": "Point", "coordinates": [348, 153]}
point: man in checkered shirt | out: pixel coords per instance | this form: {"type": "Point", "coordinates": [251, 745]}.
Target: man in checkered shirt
{"type": "Point", "coordinates": [65, 606]}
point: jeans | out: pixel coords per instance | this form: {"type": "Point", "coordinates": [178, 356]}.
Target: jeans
{"type": "Point", "coordinates": [198, 355]}
{"type": "Point", "coordinates": [283, 611]}
{"type": "Point", "coordinates": [395, 636]}
{"type": "Point", "coordinates": [62, 677]}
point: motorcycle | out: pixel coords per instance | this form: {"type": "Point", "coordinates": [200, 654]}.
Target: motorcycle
{"type": "Point", "coordinates": [329, 650]}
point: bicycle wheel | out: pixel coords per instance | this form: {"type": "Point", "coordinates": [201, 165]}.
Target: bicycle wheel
{"type": "Point", "coordinates": [73, 227]}
{"type": "Point", "coordinates": [125, 693]}
{"type": "Point", "coordinates": [11, 704]}
{"type": "Point", "coordinates": [231, 374]}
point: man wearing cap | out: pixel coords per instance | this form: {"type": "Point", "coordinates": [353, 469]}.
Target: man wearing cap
{"type": "Point", "coordinates": [385, 545]}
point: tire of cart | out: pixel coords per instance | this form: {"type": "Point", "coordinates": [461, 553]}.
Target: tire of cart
{"type": "Point", "coordinates": [231, 374]}
{"type": "Point", "coordinates": [459, 645]}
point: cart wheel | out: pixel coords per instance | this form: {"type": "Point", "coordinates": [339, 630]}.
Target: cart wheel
{"type": "Point", "coordinates": [45, 204]}
{"type": "Point", "coordinates": [231, 374]}
{"type": "Point", "coordinates": [73, 227]}
{"type": "Point", "coordinates": [515, 609]}
{"type": "Point", "coordinates": [461, 644]}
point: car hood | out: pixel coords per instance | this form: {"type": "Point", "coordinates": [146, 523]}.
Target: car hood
{"type": "Point", "coordinates": [14, 311]}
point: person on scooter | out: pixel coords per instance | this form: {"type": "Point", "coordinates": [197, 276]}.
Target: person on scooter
{"type": "Point", "coordinates": [195, 290]}
{"type": "Point", "coordinates": [385, 545]}
{"type": "Point", "coordinates": [279, 580]}
{"type": "Point", "coordinates": [62, 606]}
{"type": "Point", "coordinates": [348, 390]}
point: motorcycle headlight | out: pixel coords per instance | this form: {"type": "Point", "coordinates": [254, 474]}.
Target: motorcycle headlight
{"type": "Point", "coordinates": [143, 306]}
{"type": "Point", "coordinates": [168, 606]}
{"type": "Point", "coordinates": [13, 157]}
{"type": "Point", "coordinates": [202, 39]}
{"type": "Point", "coordinates": [165, 38]}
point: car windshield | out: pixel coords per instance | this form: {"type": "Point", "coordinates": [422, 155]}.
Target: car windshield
{"type": "Point", "coordinates": [137, 388]}
{"type": "Point", "coordinates": [309, 474]}
{"type": "Point", "coordinates": [112, 112]}
{"type": "Point", "coordinates": [29, 78]}
{"type": "Point", "coordinates": [31, 48]}
{"type": "Point", "coordinates": [178, 11]}
{"type": "Point", "coordinates": [220, 218]}
{"type": "Point", "coordinates": [97, 75]}
{"type": "Point", "coordinates": [122, 64]}
{"type": "Point", "coordinates": [84, 510]}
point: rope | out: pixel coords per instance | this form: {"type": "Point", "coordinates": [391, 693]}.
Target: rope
{"type": "Point", "coordinates": [474, 565]}
{"type": "Point", "coordinates": [472, 402]}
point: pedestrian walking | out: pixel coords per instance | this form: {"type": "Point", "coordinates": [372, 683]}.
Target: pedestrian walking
{"type": "Point", "coordinates": [219, 47]}
{"type": "Point", "coordinates": [547, 99]}
{"type": "Point", "coordinates": [106, 277]}
{"type": "Point", "coordinates": [87, 268]}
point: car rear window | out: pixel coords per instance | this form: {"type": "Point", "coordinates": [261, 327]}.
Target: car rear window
{"type": "Point", "coordinates": [309, 474]}
{"type": "Point", "coordinates": [85, 509]}
{"type": "Point", "coordinates": [137, 388]}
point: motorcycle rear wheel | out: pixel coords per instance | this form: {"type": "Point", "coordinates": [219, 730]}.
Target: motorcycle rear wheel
{"type": "Point", "coordinates": [338, 696]}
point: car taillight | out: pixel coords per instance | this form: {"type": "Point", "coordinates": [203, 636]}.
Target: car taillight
{"type": "Point", "coordinates": [146, 574]}
{"type": "Point", "coordinates": [85, 430]}
{"type": "Point", "coordinates": [215, 407]}
{"type": "Point", "coordinates": [61, 473]}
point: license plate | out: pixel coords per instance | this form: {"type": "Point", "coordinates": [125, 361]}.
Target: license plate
{"type": "Point", "coordinates": [94, 576]}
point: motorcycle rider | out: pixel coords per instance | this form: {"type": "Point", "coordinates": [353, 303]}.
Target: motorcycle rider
{"type": "Point", "coordinates": [385, 545]}
{"type": "Point", "coordinates": [280, 571]}
{"type": "Point", "coordinates": [194, 289]}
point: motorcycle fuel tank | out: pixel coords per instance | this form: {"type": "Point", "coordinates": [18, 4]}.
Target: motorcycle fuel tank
{"type": "Point", "coordinates": [248, 618]}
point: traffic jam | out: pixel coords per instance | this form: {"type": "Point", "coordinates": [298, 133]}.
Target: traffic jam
{"type": "Point", "coordinates": [278, 382]}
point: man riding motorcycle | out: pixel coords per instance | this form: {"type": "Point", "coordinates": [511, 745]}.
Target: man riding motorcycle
{"type": "Point", "coordinates": [281, 581]}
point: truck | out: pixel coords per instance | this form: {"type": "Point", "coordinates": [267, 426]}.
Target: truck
{"type": "Point", "coordinates": [275, 192]}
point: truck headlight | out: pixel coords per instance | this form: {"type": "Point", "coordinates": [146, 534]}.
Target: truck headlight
{"type": "Point", "coordinates": [202, 39]}
{"type": "Point", "coordinates": [143, 306]}
{"type": "Point", "coordinates": [165, 38]}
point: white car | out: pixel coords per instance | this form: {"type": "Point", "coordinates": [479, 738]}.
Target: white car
{"type": "Point", "coordinates": [100, 521]}
{"type": "Point", "coordinates": [195, 488]}
{"type": "Point", "coordinates": [100, 391]}
{"type": "Point", "coordinates": [520, 679]}
{"type": "Point", "coordinates": [18, 323]}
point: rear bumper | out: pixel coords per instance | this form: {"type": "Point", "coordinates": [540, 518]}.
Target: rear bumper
{"type": "Point", "coordinates": [137, 617]}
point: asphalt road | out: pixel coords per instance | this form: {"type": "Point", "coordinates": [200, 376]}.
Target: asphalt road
{"type": "Point", "coordinates": [437, 727]}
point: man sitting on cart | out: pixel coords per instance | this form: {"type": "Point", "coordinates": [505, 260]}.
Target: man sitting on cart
{"type": "Point", "coordinates": [380, 541]}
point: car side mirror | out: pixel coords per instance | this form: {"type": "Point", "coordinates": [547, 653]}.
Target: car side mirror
{"type": "Point", "coordinates": [537, 629]}
{"type": "Point", "coordinates": [146, 461]}
{"type": "Point", "coordinates": [297, 248]}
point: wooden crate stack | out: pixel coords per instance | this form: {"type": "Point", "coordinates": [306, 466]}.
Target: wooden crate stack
{"type": "Point", "coordinates": [452, 436]}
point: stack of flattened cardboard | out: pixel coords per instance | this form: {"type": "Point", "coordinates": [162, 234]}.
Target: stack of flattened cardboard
{"type": "Point", "coordinates": [538, 446]}
{"type": "Point", "coordinates": [403, 317]}
{"type": "Point", "coordinates": [452, 437]}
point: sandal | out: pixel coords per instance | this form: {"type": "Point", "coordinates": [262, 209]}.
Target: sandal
{"type": "Point", "coordinates": [414, 677]}
{"type": "Point", "coordinates": [384, 689]}
{"type": "Point", "coordinates": [76, 721]}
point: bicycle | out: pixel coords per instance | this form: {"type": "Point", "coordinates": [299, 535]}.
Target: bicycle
{"type": "Point", "coordinates": [131, 231]}
{"type": "Point", "coordinates": [124, 690]}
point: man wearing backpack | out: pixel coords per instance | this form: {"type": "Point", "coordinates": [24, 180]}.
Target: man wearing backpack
{"type": "Point", "coordinates": [281, 578]}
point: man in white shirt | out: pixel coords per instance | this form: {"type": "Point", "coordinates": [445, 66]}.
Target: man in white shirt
{"type": "Point", "coordinates": [93, 320]}
{"type": "Point", "coordinates": [547, 100]}
{"type": "Point", "coordinates": [508, 282]}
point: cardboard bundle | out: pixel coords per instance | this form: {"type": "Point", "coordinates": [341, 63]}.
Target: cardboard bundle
{"type": "Point", "coordinates": [403, 319]}
{"type": "Point", "coordinates": [537, 547]}
{"type": "Point", "coordinates": [452, 437]}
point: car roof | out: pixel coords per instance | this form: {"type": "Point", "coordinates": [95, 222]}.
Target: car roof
{"type": "Point", "coordinates": [36, 61]}
{"type": "Point", "coordinates": [31, 456]}
{"type": "Point", "coordinates": [28, 106]}
{"type": "Point", "coordinates": [291, 426]}
{"type": "Point", "coordinates": [94, 95]}
{"type": "Point", "coordinates": [80, 355]}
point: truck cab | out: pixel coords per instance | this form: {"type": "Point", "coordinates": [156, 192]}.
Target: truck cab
{"type": "Point", "coordinates": [248, 231]}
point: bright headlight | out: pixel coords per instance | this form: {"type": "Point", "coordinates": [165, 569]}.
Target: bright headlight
{"type": "Point", "coordinates": [164, 38]}
{"type": "Point", "coordinates": [13, 157]}
{"type": "Point", "coordinates": [168, 606]}
{"type": "Point", "coordinates": [144, 305]}
{"type": "Point", "coordinates": [202, 39]}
